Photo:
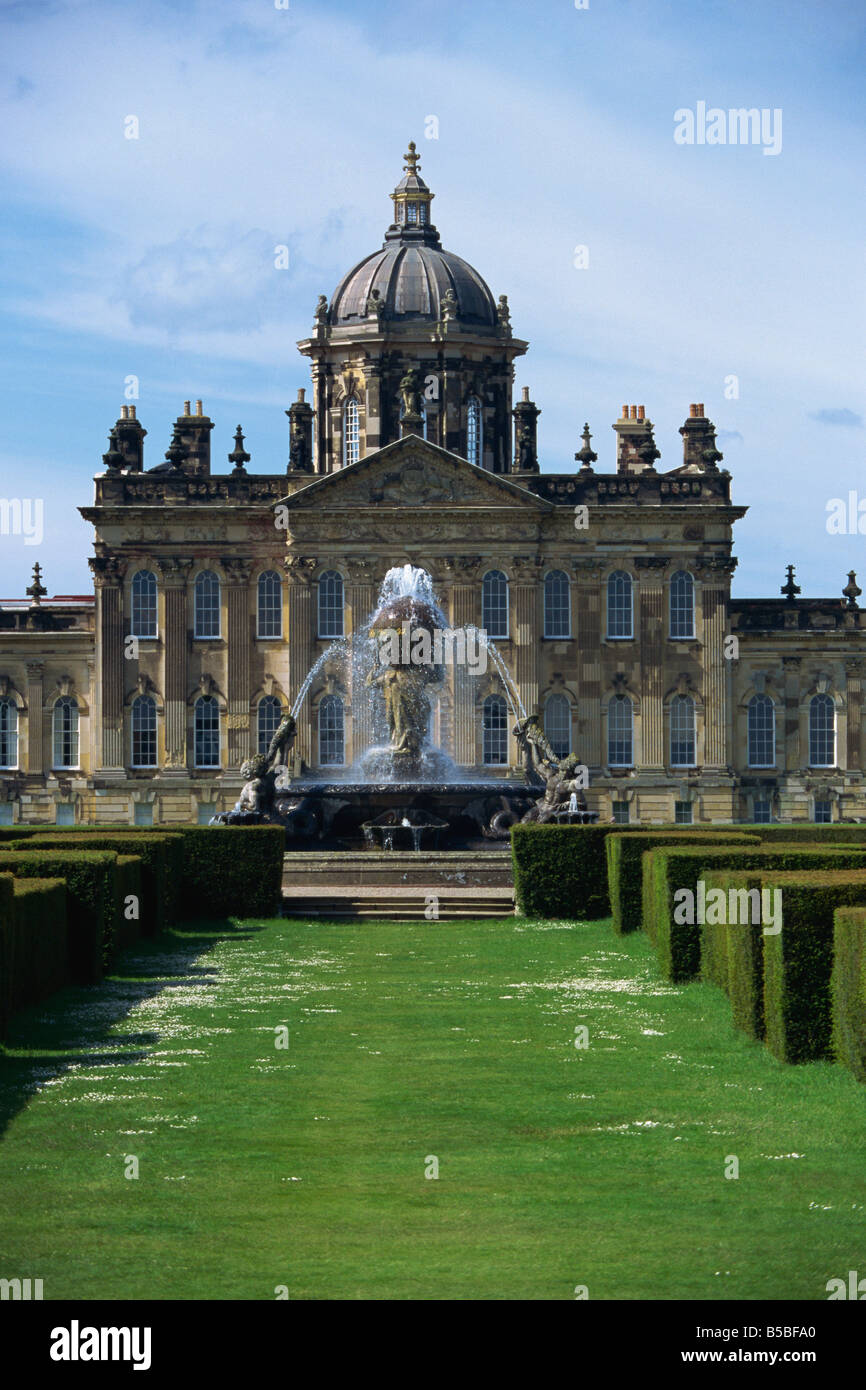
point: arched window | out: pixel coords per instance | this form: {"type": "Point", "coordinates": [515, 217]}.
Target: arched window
{"type": "Point", "coordinates": [557, 724]}
{"type": "Point", "coordinates": [620, 620]}
{"type": "Point", "coordinates": [351, 432]}
{"type": "Point", "coordinates": [494, 731]}
{"type": "Point", "coordinates": [682, 731]}
{"type": "Point", "coordinates": [822, 731]}
{"type": "Point", "coordinates": [762, 731]}
{"type": "Point", "coordinates": [331, 604]}
{"type": "Point", "coordinates": [474, 431]}
{"type": "Point", "coordinates": [207, 731]}
{"type": "Point", "coordinates": [620, 732]}
{"type": "Point", "coordinates": [144, 732]}
{"type": "Point", "coordinates": [144, 611]}
{"type": "Point", "coordinates": [270, 605]}
{"type": "Point", "coordinates": [332, 738]}
{"type": "Point", "coordinates": [494, 604]}
{"type": "Point", "coordinates": [65, 732]}
{"type": "Point", "coordinates": [8, 732]}
{"type": "Point", "coordinates": [557, 605]}
{"type": "Point", "coordinates": [207, 605]}
{"type": "Point", "coordinates": [268, 715]}
{"type": "Point", "coordinates": [682, 616]}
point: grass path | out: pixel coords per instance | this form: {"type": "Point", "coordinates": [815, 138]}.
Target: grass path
{"type": "Point", "coordinates": [305, 1167]}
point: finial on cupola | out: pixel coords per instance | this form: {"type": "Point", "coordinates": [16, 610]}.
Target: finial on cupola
{"type": "Point", "coordinates": [790, 589]}
{"type": "Point", "coordinates": [239, 455]}
{"type": "Point", "coordinates": [586, 456]}
{"type": "Point", "coordinates": [114, 458]}
{"type": "Point", "coordinates": [852, 591]}
{"type": "Point", "coordinates": [36, 591]}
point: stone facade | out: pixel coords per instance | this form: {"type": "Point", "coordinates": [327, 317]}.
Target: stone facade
{"type": "Point", "coordinates": [216, 593]}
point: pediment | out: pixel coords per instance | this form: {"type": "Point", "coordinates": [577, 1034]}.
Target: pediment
{"type": "Point", "coordinates": [414, 473]}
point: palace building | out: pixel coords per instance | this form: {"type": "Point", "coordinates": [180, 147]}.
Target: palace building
{"type": "Point", "coordinates": [606, 589]}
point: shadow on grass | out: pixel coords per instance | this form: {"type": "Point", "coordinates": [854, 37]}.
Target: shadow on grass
{"type": "Point", "coordinates": [78, 1025]}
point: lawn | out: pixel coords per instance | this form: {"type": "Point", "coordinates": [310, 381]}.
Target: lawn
{"type": "Point", "coordinates": [304, 1167]}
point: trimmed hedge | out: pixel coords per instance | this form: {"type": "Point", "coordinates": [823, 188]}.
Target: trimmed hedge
{"type": "Point", "coordinates": [129, 883]}
{"type": "Point", "coordinates": [848, 988]}
{"type": "Point", "coordinates": [32, 942]}
{"type": "Point", "coordinates": [686, 949]}
{"type": "Point", "coordinates": [559, 870]}
{"type": "Point", "coordinates": [161, 862]}
{"type": "Point", "coordinates": [625, 866]}
{"type": "Point", "coordinates": [798, 960]}
{"type": "Point", "coordinates": [838, 832]}
{"type": "Point", "coordinates": [91, 883]}
{"type": "Point", "coordinates": [232, 871]}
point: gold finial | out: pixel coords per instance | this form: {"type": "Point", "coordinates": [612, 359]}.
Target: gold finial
{"type": "Point", "coordinates": [411, 157]}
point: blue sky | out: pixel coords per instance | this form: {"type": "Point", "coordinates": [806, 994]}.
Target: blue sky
{"type": "Point", "coordinates": [262, 126]}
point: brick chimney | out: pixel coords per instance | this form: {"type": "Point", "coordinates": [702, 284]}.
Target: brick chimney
{"type": "Point", "coordinates": [129, 435]}
{"type": "Point", "coordinates": [300, 415]}
{"type": "Point", "coordinates": [699, 441]}
{"type": "Point", "coordinates": [526, 415]}
{"type": "Point", "coordinates": [193, 432]}
{"type": "Point", "coordinates": [633, 430]}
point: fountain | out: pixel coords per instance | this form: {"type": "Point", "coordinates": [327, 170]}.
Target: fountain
{"type": "Point", "coordinates": [403, 790]}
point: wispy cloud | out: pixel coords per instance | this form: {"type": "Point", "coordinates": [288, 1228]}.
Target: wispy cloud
{"type": "Point", "coordinates": [838, 416]}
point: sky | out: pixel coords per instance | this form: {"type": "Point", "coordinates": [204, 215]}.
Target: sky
{"type": "Point", "coordinates": [712, 272]}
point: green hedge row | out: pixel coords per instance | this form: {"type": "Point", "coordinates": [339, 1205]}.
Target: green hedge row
{"type": "Point", "coordinates": [560, 870]}
{"type": "Point", "coordinates": [33, 942]}
{"type": "Point", "coordinates": [848, 988]}
{"type": "Point", "coordinates": [91, 884]}
{"type": "Point", "coordinates": [687, 948]}
{"type": "Point", "coordinates": [625, 866]}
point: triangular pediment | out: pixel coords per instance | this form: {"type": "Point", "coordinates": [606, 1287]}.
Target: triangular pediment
{"type": "Point", "coordinates": [414, 473]}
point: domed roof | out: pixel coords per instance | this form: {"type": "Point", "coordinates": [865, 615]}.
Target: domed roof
{"type": "Point", "coordinates": [411, 271]}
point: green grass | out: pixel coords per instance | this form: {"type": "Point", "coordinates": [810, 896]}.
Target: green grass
{"type": "Point", "coordinates": [305, 1167]}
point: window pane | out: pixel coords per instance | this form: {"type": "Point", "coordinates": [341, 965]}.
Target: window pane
{"type": "Point", "coordinates": [207, 604]}
{"type": "Point", "coordinates": [823, 814]}
{"type": "Point", "coordinates": [682, 605]}
{"type": "Point", "coordinates": [269, 714]}
{"type": "Point", "coordinates": [270, 605]}
{"type": "Point", "coordinates": [142, 813]}
{"type": "Point", "coordinates": [66, 732]}
{"type": "Point", "coordinates": [331, 732]}
{"type": "Point", "coordinates": [144, 604]}
{"type": "Point", "coordinates": [65, 813]}
{"type": "Point", "coordinates": [557, 609]}
{"type": "Point", "coordinates": [473, 431]}
{"type": "Point", "coordinates": [620, 752]}
{"type": "Point", "coordinates": [761, 812]}
{"type": "Point", "coordinates": [557, 724]}
{"type": "Point", "coordinates": [494, 604]}
{"type": "Point", "coordinates": [822, 731]}
{"type": "Point", "coordinates": [494, 731]}
{"type": "Point", "coordinates": [144, 732]}
{"type": "Point", "coordinates": [351, 432]}
{"type": "Point", "coordinates": [682, 813]}
{"type": "Point", "coordinates": [331, 604]}
{"type": "Point", "coordinates": [8, 732]}
{"type": "Point", "coordinates": [682, 731]}
{"type": "Point", "coordinates": [620, 812]}
{"type": "Point", "coordinates": [762, 731]}
{"type": "Point", "coordinates": [619, 604]}
{"type": "Point", "coordinates": [207, 732]}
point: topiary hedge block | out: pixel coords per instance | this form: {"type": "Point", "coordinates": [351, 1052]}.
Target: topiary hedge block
{"type": "Point", "coordinates": [559, 870]}
{"type": "Point", "coordinates": [91, 879]}
{"type": "Point", "coordinates": [625, 866]}
{"type": "Point", "coordinates": [232, 871]}
{"type": "Point", "coordinates": [161, 857]}
{"type": "Point", "coordinates": [838, 832]}
{"type": "Point", "coordinates": [686, 949]}
{"type": "Point", "coordinates": [33, 960]}
{"type": "Point", "coordinates": [128, 903]}
{"type": "Point", "coordinates": [848, 989]}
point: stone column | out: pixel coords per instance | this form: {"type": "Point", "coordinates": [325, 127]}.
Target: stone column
{"type": "Point", "coordinates": [715, 579]}
{"type": "Point", "coordinates": [649, 603]}
{"type": "Point", "coordinates": [108, 574]}
{"type": "Point", "coordinates": [792, 713]}
{"type": "Point", "coordinates": [238, 690]}
{"type": "Point", "coordinates": [854, 683]}
{"type": "Point", "coordinates": [300, 638]}
{"type": "Point", "coordinates": [587, 632]}
{"type": "Point", "coordinates": [462, 577]}
{"type": "Point", "coordinates": [360, 598]}
{"type": "Point", "coordinates": [35, 697]}
{"type": "Point", "coordinates": [373, 410]}
{"type": "Point", "coordinates": [526, 598]}
{"type": "Point", "coordinates": [175, 572]}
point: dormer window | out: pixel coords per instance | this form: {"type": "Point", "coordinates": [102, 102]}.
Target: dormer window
{"type": "Point", "coordinates": [411, 212]}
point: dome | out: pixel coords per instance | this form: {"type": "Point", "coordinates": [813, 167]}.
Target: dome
{"type": "Point", "coordinates": [411, 272]}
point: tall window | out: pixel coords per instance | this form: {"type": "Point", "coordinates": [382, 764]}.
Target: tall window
{"type": "Point", "coordinates": [8, 732]}
{"type": "Point", "coordinates": [822, 731]}
{"type": "Point", "coordinates": [620, 621]}
{"type": "Point", "coordinates": [557, 724]}
{"type": "Point", "coordinates": [762, 731]}
{"type": "Point", "coordinates": [683, 813]}
{"type": "Point", "coordinates": [557, 607]}
{"type": "Point", "coordinates": [331, 604]}
{"type": "Point", "coordinates": [682, 604]}
{"type": "Point", "coordinates": [682, 731]}
{"type": "Point", "coordinates": [207, 731]}
{"type": "Point", "coordinates": [494, 604]}
{"type": "Point", "coordinates": [270, 605]}
{"type": "Point", "coordinates": [620, 735]}
{"type": "Point", "coordinates": [332, 739]}
{"type": "Point", "coordinates": [144, 732]}
{"type": "Point", "coordinates": [474, 441]}
{"type": "Point", "coordinates": [823, 812]}
{"type": "Point", "coordinates": [65, 731]}
{"type": "Point", "coordinates": [268, 715]}
{"type": "Point", "coordinates": [762, 812]}
{"type": "Point", "coordinates": [494, 731]}
{"type": "Point", "coordinates": [351, 432]}
{"type": "Point", "coordinates": [144, 614]}
{"type": "Point", "coordinates": [207, 604]}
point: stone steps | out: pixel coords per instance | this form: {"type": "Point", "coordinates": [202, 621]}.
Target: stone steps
{"type": "Point", "coordinates": [444, 885]}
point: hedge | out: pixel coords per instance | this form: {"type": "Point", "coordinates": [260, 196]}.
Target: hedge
{"type": "Point", "coordinates": [686, 949]}
{"type": "Point", "coordinates": [625, 866]}
{"type": "Point", "coordinates": [129, 882]}
{"type": "Point", "coordinates": [559, 870]}
{"type": "Point", "coordinates": [232, 870]}
{"type": "Point", "coordinates": [91, 884]}
{"type": "Point", "coordinates": [838, 832]}
{"type": "Point", "coordinates": [848, 989]}
{"type": "Point", "coordinates": [161, 862]}
{"type": "Point", "coordinates": [798, 959]}
{"type": "Point", "coordinates": [33, 942]}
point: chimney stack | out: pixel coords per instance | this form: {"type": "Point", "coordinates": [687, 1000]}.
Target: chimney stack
{"type": "Point", "coordinates": [300, 415]}
{"type": "Point", "coordinates": [699, 441]}
{"type": "Point", "coordinates": [633, 432]}
{"type": "Point", "coordinates": [129, 440]}
{"type": "Point", "coordinates": [193, 432]}
{"type": "Point", "coordinates": [525, 415]}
